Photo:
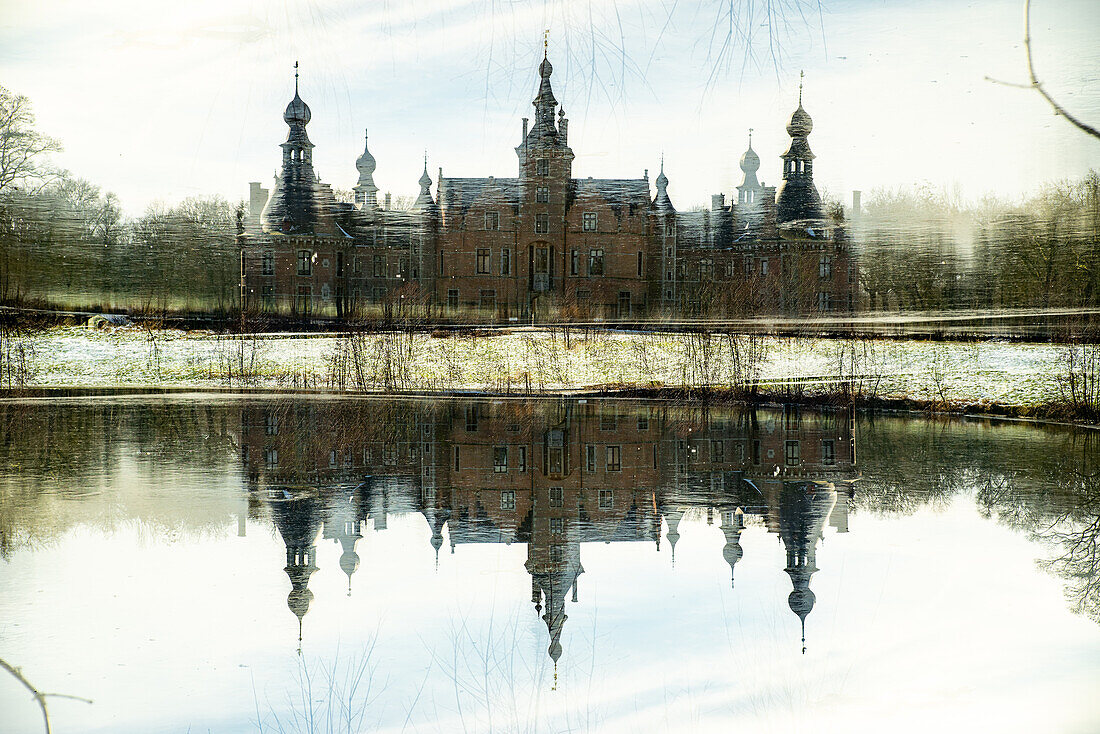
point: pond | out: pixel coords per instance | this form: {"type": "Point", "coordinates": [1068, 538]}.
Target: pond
{"type": "Point", "coordinates": [302, 563]}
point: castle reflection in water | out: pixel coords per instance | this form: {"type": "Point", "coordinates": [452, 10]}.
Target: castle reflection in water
{"type": "Point", "coordinates": [553, 475]}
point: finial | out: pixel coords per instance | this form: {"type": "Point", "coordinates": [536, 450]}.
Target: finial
{"type": "Point", "coordinates": [750, 131]}
{"type": "Point", "coordinates": [662, 161]}
{"type": "Point", "coordinates": [555, 676]}
{"type": "Point", "coordinates": [545, 43]}
{"type": "Point", "coordinates": [295, 78]}
{"type": "Point", "coordinates": [425, 160]}
{"type": "Point", "coordinates": [803, 635]}
{"type": "Point", "coordinates": [801, 76]}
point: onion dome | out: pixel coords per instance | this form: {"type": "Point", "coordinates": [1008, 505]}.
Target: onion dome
{"type": "Point", "coordinates": [424, 200]}
{"type": "Point", "coordinates": [750, 161]}
{"type": "Point", "coordinates": [297, 111]}
{"type": "Point", "coordinates": [365, 163]}
{"type": "Point", "coordinates": [662, 202]}
{"type": "Point", "coordinates": [801, 124]}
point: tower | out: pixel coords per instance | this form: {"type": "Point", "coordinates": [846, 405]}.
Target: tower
{"type": "Point", "coordinates": [299, 525]}
{"type": "Point", "coordinates": [366, 193]}
{"type": "Point", "coordinates": [798, 197]}
{"type": "Point", "coordinates": [748, 193]}
{"type": "Point", "coordinates": [295, 203]}
{"type": "Point", "coordinates": [733, 523]}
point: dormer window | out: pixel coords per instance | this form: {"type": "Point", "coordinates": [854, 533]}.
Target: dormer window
{"type": "Point", "coordinates": [542, 167]}
{"type": "Point", "coordinates": [492, 221]}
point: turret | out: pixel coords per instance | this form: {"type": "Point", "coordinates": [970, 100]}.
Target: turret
{"type": "Point", "coordinates": [748, 193]}
{"type": "Point", "coordinates": [366, 193]}
{"type": "Point", "coordinates": [295, 204]}
{"type": "Point", "coordinates": [797, 197]}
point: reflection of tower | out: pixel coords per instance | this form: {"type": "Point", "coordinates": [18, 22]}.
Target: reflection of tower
{"type": "Point", "coordinates": [673, 535]}
{"type": "Point", "coordinates": [437, 517]}
{"type": "Point", "coordinates": [554, 570]}
{"type": "Point", "coordinates": [733, 522]}
{"type": "Point", "coordinates": [299, 523]}
{"type": "Point", "coordinates": [344, 526]}
{"type": "Point", "coordinates": [803, 509]}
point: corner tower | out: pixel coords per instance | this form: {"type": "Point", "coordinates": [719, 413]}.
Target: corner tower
{"type": "Point", "coordinates": [295, 203]}
{"type": "Point", "coordinates": [798, 197]}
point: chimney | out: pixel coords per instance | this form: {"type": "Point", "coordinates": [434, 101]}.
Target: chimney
{"type": "Point", "coordinates": [387, 200]}
{"type": "Point", "coordinates": [856, 209]}
{"type": "Point", "coordinates": [257, 197]}
{"type": "Point", "coordinates": [717, 202]}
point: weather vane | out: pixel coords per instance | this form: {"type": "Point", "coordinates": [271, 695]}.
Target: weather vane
{"type": "Point", "coordinates": [295, 77]}
{"type": "Point", "coordinates": [801, 76]}
{"type": "Point", "coordinates": [545, 43]}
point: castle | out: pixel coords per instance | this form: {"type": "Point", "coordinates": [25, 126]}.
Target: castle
{"type": "Point", "coordinates": [542, 244]}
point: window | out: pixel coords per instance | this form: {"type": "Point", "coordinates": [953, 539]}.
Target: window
{"type": "Point", "coordinates": [452, 299]}
{"type": "Point", "coordinates": [793, 453]}
{"type": "Point", "coordinates": [825, 266]}
{"type": "Point", "coordinates": [332, 459]}
{"type": "Point", "coordinates": [379, 267]}
{"type": "Point", "coordinates": [828, 452]}
{"type": "Point", "coordinates": [614, 458]}
{"type": "Point", "coordinates": [271, 458]}
{"type": "Point", "coordinates": [489, 299]}
{"type": "Point", "coordinates": [670, 229]}
{"type": "Point", "coordinates": [267, 292]}
{"type": "Point", "coordinates": [305, 262]}
{"type": "Point", "coordinates": [305, 299]}
{"type": "Point", "coordinates": [326, 291]}
{"type": "Point", "coordinates": [339, 264]}
{"type": "Point", "coordinates": [590, 458]}
{"type": "Point", "coordinates": [492, 221]}
{"type": "Point", "coordinates": [557, 555]}
{"type": "Point", "coordinates": [595, 262]}
{"type": "Point", "coordinates": [609, 420]}
{"type": "Point", "coordinates": [748, 266]}
{"type": "Point", "coordinates": [589, 222]}
{"type": "Point", "coordinates": [641, 265]}
{"type": "Point", "coordinates": [764, 266]}
{"type": "Point", "coordinates": [458, 458]}
{"type": "Point", "coordinates": [729, 268]}
{"type": "Point", "coordinates": [483, 258]}
{"type": "Point", "coordinates": [271, 424]}
{"type": "Point", "coordinates": [824, 301]}
{"type": "Point", "coordinates": [357, 265]}
{"type": "Point", "coordinates": [542, 223]}
{"type": "Point", "coordinates": [607, 499]}
{"type": "Point", "coordinates": [500, 459]}
{"type": "Point", "coordinates": [542, 167]}
{"type": "Point", "coordinates": [542, 195]}
{"type": "Point", "coordinates": [706, 269]}
{"type": "Point", "coordinates": [522, 459]}
{"type": "Point", "coordinates": [574, 262]}
{"type": "Point", "coordinates": [557, 526]}
{"type": "Point", "coordinates": [557, 496]}
{"type": "Point", "coordinates": [756, 451]}
{"type": "Point", "coordinates": [508, 499]}
{"type": "Point", "coordinates": [268, 263]}
{"type": "Point", "coordinates": [643, 423]}
{"type": "Point", "coordinates": [717, 451]}
{"type": "Point", "coordinates": [471, 418]}
{"type": "Point", "coordinates": [505, 262]}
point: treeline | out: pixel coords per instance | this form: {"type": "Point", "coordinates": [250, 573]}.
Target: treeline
{"type": "Point", "coordinates": [67, 244]}
{"type": "Point", "coordinates": [923, 250]}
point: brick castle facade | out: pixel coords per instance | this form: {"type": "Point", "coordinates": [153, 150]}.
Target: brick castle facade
{"type": "Point", "coordinates": [542, 244]}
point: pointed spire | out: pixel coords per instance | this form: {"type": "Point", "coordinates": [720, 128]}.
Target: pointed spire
{"type": "Point", "coordinates": [424, 201]}
{"type": "Point", "coordinates": [295, 77]}
{"type": "Point", "coordinates": [662, 202]}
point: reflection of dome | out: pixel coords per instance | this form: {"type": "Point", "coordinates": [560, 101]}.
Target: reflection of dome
{"type": "Point", "coordinates": [555, 651]}
{"type": "Point", "coordinates": [365, 163]}
{"type": "Point", "coordinates": [801, 601]}
{"type": "Point", "coordinates": [297, 111]}
{"type": "Point", "coordinates": [545, 68]}
{"type": "Point", "coordinates": [801, 123]}
{"type": "Point", "coordinates": [349, 563]}
{"type": "Point", "coordinates": [299, 600]}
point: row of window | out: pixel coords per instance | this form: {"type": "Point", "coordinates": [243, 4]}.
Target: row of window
{"type": "Point", "coordinates": [556, 497]}
{"type": "Point", "coordinates": [589, 220]}
{"type": "Point", "coordinates": [612, 456]}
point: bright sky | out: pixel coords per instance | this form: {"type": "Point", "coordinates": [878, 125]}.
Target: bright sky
{"type": "Point", "coordinates": [167, 100]}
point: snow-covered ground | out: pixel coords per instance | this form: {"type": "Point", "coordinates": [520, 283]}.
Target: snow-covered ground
{"type": "Point", "coordinates": [985, 372]}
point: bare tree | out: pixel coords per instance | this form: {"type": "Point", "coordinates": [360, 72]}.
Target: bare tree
{"type": "Point", "coordinates": [22, 149]}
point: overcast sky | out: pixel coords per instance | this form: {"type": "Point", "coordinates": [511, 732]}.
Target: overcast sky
{"type": "Point", "coordinates": [168, 100]}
